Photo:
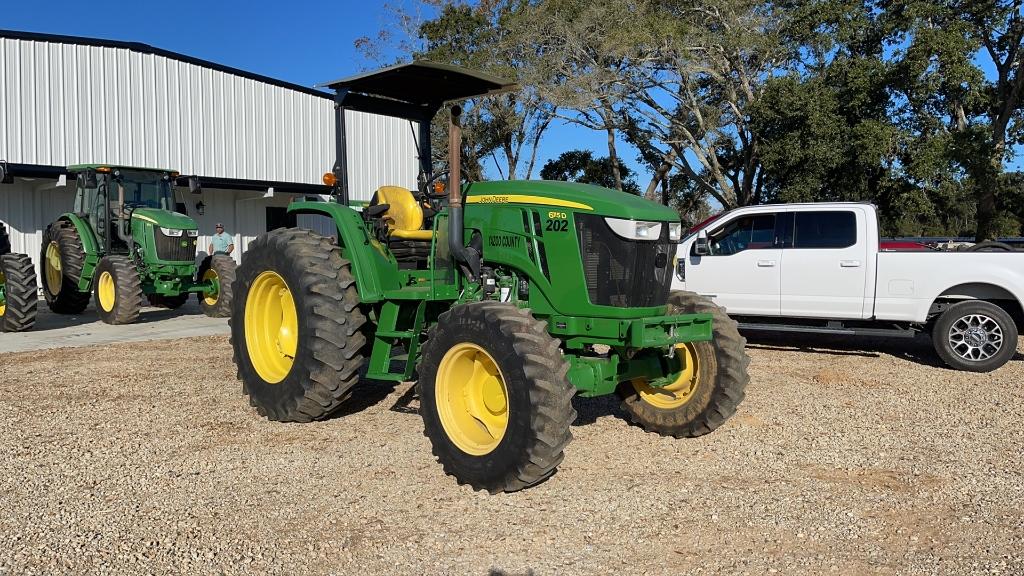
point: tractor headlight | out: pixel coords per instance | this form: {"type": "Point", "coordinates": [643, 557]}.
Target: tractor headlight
{"type": "Point", "coordinates": [193, 233]}
{"type": "Point", "coordinates": [171, 232]}
{"type": "Point", "coordinates": [635, 229]}
{"type": "Point", "coordinates": [675, 231]}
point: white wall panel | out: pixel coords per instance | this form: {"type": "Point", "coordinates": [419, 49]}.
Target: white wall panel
{"type": "Point", "coordinates": [66, 103]}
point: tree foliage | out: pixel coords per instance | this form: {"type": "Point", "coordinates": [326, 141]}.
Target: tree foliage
{"type": "Point", "coordinates": [582, 166]}
{"type": "Point", "coordinates": [914, 105]}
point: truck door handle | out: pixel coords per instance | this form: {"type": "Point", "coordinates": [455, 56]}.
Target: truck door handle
{"type": "Point", "coordinates": [849, 263]}
{"type": "Point", "coordinates": [765, 263]}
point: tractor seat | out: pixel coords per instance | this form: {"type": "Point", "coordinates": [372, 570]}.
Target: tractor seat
{"type": "Point", "coordinates": [404, 216]}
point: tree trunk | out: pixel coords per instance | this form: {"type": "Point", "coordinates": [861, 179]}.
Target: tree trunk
{"type": "Point", "coordinates": [985, 194]}
{"type": "Point", "coordinates": [616, 172]}
{"type": "Point", "coordinates": [609, 126]}
{"type": "Point", "coordinates": [660, 173]}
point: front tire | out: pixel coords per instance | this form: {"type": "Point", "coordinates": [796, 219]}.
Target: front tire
{"type": "Point", "coordinates": [221, 268]}
{"type": "Point", "coordinates": [975, 336]}
{"type": "Point", "coordinates": [118, 290]}
{"type": "Point", "coordinates": [61, 258]}
{"type": "Point", "coordinates": [495, 400]}
{"type": "Point", "coordinates": [710, 386]}
{"type": "Point", "coordinates": [297, 328]}
{"type": "Point", "coordinates": [18, 280]}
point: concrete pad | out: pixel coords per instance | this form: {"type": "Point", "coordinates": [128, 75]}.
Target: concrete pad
{"type": "Point", "coordinates": [86, 329]}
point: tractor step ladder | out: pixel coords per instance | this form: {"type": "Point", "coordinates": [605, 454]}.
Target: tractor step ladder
{"type": "Point", "coordinates": [399, 323]}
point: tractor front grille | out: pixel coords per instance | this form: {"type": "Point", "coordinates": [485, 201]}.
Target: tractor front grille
{"type": "Point", "coordinates": [175, 248]}
{"type": "Point", "coordinates": [620, 272]}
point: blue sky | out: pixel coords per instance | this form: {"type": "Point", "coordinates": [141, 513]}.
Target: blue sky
{"type": "Point", "coordinates": [304, 42]}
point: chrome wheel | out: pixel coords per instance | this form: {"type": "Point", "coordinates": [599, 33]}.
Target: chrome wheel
{"type": "Point", "coordinates": [975, 337]}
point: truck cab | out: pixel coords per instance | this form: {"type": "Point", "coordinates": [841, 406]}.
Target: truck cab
{"type": "Point", "coordinates": [821, 268]}
{"type": "Point", "coordinates": [800, 260]}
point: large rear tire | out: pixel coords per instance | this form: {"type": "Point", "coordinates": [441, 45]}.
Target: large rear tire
{"type": "Point", "coordinates": [19, 291]}
{"type": "Point", "coordinates": [495, 400]}
{"type": "Point", "coordinates": [221, 268]}
{"type": "Point", "coordinates": [118, 290]}
{"type": "Point", "coordinates": [975, 336]}
{"type": "Point", "coordinates": [61, 259]}
{"type": "Point", "coordinates": [710, 387]}
{"type": "Point", "coordinates": [297, 328]}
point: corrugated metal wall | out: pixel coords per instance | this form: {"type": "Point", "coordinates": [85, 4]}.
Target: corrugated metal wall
{"type": "Point", "coordinates": [65, 103]}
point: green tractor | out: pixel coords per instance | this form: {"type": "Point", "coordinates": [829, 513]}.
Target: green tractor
{"type": "Point", "coordinates": [503, 299]}
{"type": "Point", "coordinates": [18, 290]}
{"type": "Point", "coordinates": [124, 241]}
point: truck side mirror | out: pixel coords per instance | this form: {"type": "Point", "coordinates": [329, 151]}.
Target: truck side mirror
{"type": "Point", "coordinates": [700, 246]}
{"type": "Point", "coordinates": [194, 186]}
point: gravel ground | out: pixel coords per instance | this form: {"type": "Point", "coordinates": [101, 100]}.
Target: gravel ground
{"type": "Point", "coordinates": [846, 457]}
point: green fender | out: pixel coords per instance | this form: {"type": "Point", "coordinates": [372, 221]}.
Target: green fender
{"type": "Point", "coordinates": [374, 268]}
{"type": "Point", "coordinates": [91, 246]}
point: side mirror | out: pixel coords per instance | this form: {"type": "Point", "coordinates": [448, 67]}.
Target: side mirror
{"type": "Point", "coordinates": [90, 180]}
{"type": "Point", "coordinates": [194, 186]}
{"type": "Point", "coordinates": [4, 173]}
{"type": "Point", "coordinates": [700, 246]}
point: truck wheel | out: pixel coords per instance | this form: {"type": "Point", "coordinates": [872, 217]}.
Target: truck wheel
{"type": "Point", "coordinates": [118, 290]}
{"type": "Point", "coordinates": [18, 293]}
{"type": "Point", "coordinates": [169, 302]}
{"type": "Point", "coordinates": [975, 336]}
{"type": "Point", "coordinates": [711, 385]}
{"type": "Point", "coordinates": [61, 259]}
{"type": "Point", "coordinates": [495, 400]}
{"type": "Point", "coordinates": [297, 328]}
{"type": "Point", "coordinates": [221, 268]}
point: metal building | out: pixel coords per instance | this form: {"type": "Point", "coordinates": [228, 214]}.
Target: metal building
{"type": "Point", "coordinates": [254, 142]}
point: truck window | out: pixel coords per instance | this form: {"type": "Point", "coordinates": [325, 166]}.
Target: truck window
{"type": "Point", "coordinates": [754, 232]}
{"type": "Point", "coordinates": [824, 230]}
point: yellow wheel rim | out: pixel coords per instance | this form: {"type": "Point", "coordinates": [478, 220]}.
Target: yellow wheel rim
{"type": "Point", "coordinates": [106, 291]}
{"type": "Point", "coordinates": [271, 327]}
{"type": "Point", "coordinates": [210, 298]}
{"type": "Point", "coordinates": [3, 294]}
{"type": "Point", "coordinates": [54, 274]}
{"type": "Point", "coordinates": [472, 399]}
{"type": "Point", "coordinates": [681, 389]}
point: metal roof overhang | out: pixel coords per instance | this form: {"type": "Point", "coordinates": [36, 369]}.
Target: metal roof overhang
{"type": "Point", "coordinates": [413, 91]}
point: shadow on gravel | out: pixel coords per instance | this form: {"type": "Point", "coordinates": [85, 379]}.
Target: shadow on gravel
{"type": "Point", "coordinates": [47, 320]}
{"type": "Point", "coordinates": [918, 350]}
{"type": "Point", "coordinates": [365, 394]}
{"type": "Point", "coordinates": [588, 410]}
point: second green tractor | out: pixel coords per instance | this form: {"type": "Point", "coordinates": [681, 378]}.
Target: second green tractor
{"type": "Point", "coordinates": [123, 243]}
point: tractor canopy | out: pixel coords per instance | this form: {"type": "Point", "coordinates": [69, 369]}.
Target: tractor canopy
{"type": "Point", "coordinates": [413, 91]}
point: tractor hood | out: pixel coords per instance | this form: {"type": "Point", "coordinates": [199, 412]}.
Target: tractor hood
{"type": "Point", "coordinates": [165, 218]}
{"type": "Point", "coordinates": [571, 196]}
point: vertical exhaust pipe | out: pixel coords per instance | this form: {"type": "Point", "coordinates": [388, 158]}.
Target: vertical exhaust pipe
{"type": "Point", "coordinates": [465, 255]}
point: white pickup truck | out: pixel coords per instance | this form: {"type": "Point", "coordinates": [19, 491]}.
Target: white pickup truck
{"type": "Point", "coordinates": [820, 268]}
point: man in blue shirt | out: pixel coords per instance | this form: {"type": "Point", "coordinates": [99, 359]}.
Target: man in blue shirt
{"type": "Point", "coordinates": [221, 242]}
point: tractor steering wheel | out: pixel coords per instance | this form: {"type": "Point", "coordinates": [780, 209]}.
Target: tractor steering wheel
{"type": "Point", "coordinates": [427, 188]}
